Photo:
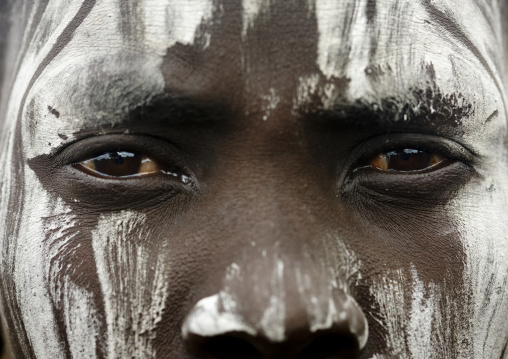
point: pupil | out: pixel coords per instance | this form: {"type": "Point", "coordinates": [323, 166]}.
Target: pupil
{"type": "Point", "coordinates": [117, 158]}
{"type": "Point", "coordinates": [405, 156]}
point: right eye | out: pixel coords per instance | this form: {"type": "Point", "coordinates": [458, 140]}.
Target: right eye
{"type": "Point", "coordinates": [119, 164]}
{"type": "Point", "coordinates": [125, 165]}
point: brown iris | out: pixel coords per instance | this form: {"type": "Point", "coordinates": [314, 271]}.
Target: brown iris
{"type": "Point", "coordinates": [405, 160]}
{"type": "Point", "coordinates": [119, 164]}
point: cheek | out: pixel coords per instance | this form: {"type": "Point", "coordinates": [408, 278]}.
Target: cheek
{"type": "Point", "coordinates": [481, 214]}
{"type": "Point", "coordinates": [466, 320]}
{"type": "Point", "coordinates": [84, 287]}
{"type": "Point", "coordinates": [117, 272]}
{"type": "Point", "coordinates": [420, 319]}
{"type": "Point", "coordinates": [133, 282]}
{"type": "Point", "coordinates": [29, 300]}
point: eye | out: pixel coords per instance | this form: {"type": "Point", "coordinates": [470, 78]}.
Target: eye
{"type": "Point", "coordinates": [405, 160]}
{"type": "Point", "coordinates": [425, 168]}
{"type": "Point", "coordinates": [119, 164]}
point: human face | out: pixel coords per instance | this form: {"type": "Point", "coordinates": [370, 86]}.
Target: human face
{"type": "Point", "coordinates": [292, 207]}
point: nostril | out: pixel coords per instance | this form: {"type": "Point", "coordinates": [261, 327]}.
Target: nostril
{"type": "Point", "coordinates": [230, 347]}
{"type": "Point", "coordinates": [331, 346]}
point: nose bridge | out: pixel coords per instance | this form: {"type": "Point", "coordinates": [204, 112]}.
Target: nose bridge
{"type": "Point", "coordinates": [290, 278]}
{"type": "Point", "coordinates": [269, 201]}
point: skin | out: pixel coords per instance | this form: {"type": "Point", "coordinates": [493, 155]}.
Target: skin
{"type": "Point", "coordinates": [274, 237]}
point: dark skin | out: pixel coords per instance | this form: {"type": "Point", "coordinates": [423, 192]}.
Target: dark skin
{"type": "Point", "coordinates": [327, 198]}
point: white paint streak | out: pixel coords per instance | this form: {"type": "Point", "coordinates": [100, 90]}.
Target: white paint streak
{"type": "Point", "coordinates": [422, 316]}
{"type": "Point", "coordinates": [486, 245]}
{"type": "Point", "coordinates": [54, 20]}
{"type": "Point", "coordinates": [32, 290]}
{"type": "Point", "coordinates": [134, 294]}
{"type": "Point", "coordinates": [209, 318]}
{"type": "Point", "coordinates": [325, 292]}
{"type": "Point", "coordinates": [169, 22]}
{"type": "Point", "coordinates": [424, 324]}
{"type": "Point", "coordinates": [81, 321]}
{"type": "Point", "coordinates": [389, 293]}
{"type": "Point", "coordinates": [223, 312]}
{"type": "Point", "coordinates": [252, 9]}
{"type": "Point", "coordinates": [270, 103]}
{"type": "Point", "coordinates": [272, 322]}
{"type": "Point", "coordinates": [331, 42]}
{"type": "Point", "coordinates": [76, 303]}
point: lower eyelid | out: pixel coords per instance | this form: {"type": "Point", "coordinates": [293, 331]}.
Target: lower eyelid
{"type": "Point", "coordinates": [426, 188]}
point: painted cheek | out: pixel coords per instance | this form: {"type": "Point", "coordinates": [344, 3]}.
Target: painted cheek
{"type": "Point", "coordinates": [480, 208]}
{"type": "Point", "coordinates": [133, 283]}
{"type": "Point", "coordinates": [31, 255]}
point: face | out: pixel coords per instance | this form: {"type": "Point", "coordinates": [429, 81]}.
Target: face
{"type": "Point", "coordinates": [254, 179]}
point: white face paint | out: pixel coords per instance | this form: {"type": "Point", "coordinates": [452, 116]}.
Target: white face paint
{"type": "Point", "coordinates": [114, 62]}
{"type": "Point", "coordinates": [47, 226]}
{"type": "Point", "coordinates": [460, 51]}
{"type": "Point", "coordinates": [133, 284]}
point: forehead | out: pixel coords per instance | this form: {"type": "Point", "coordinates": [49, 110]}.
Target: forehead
{"type": "Point", "coordinates": [96, 58]}
{"type": "Point", "coordinates": [358, 40]}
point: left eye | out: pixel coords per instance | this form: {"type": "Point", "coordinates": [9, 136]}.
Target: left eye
{"type": "Point", "coordinates": [119, 164]}
{"type": "Point", "coordinates": [405, 160]}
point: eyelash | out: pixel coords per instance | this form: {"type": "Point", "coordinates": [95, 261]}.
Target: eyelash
{"type": "Point", "coordinates": [364, 152]}
{"type": "Point", "coordinates": [82, 155]}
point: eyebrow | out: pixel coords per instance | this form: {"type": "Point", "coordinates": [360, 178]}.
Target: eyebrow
{"type": "Point", "coordinates": [178, 110]}
{"type": "Point", "coordinates": [419, 107]}
{"type": "Point", "coordinates": [168, 110]}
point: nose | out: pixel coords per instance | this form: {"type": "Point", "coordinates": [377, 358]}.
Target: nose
{"type": "Point", "coordinates": [220, 327]}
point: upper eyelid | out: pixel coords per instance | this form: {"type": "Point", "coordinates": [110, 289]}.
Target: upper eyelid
{"type": "Point", "coordinates": [424, 142]}
{"type": "Point", "coordinates": [88, 147]}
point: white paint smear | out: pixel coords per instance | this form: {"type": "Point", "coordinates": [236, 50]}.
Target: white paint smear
{"type": "Point", "coordinates": [251, 11]}
{"type": "Point", "coordinates": [134, 296]}
{"type": "Point", "coordinates": [222, 312]}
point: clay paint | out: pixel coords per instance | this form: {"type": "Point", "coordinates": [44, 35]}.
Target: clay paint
{"type": "Point", "coordinates": [417, 325]}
